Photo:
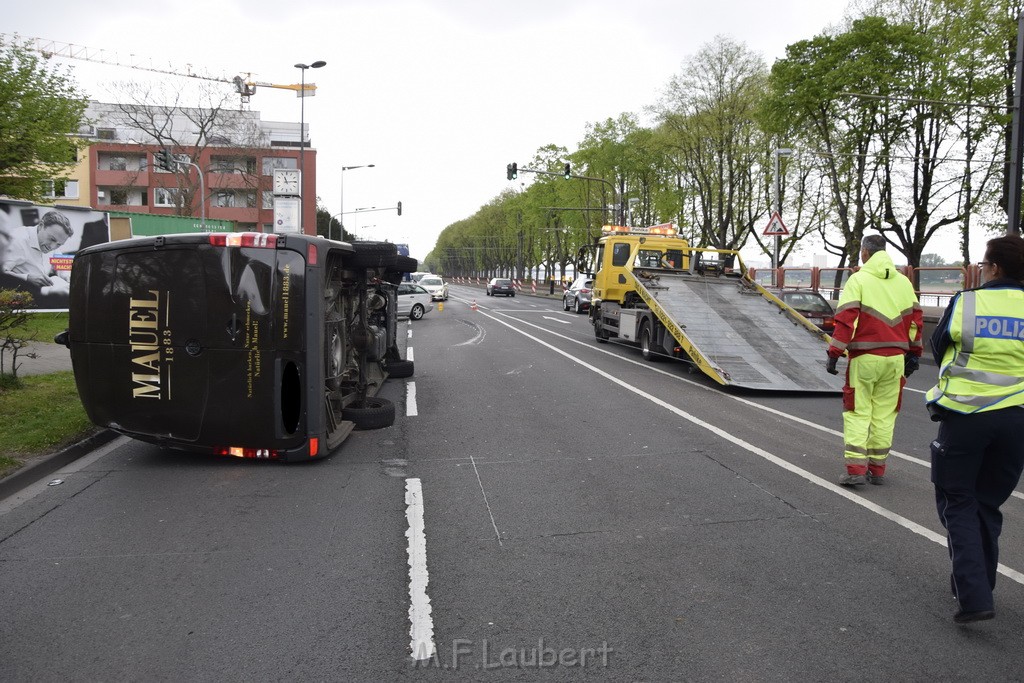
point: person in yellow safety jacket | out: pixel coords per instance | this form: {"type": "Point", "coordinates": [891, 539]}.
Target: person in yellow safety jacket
{"type": "Point", "coordinates": [978, 455]}
{"type": "Point", "coordinates": [878, 324]}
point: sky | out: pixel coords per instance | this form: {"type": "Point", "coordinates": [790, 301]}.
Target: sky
{"type": "Point", "coordinates": [438, 94]}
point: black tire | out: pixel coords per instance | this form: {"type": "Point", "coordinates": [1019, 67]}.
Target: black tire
{"type": "Point", "coordinates": [400, 369]}
{"type": "Point", "coordinates": [371, 413]}
{"type": "Point", "coordinates": [417, 311]}
{"type": "Point", "coordinates": [373, 255]}
{"type": "Point", "coordinates": [576, 305]}
{"type": "Point", "coordinates": [646, 342]}
{"type": "Point", "coordinates": [599, 333]}
{"type": "Point", "coordinates": [405, 264]}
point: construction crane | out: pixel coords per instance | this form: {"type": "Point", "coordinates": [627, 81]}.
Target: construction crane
{"type": "Point", "coordinates": [244, 86]}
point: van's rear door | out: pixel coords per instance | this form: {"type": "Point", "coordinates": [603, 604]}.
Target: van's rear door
{"type": "Point", "coordinates": [184, 341]}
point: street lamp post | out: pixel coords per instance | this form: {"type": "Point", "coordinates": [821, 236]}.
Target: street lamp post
{"type": "Point", "coordinates": [302, 133]}
{"type": "Point", "coordinates": [342, 212]}
{"type": "Point", "coordinates": [779, 152]}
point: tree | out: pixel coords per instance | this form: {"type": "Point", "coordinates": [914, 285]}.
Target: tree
{"type": "Point", "coordinates": [189, 131]}
{"type": "Point", "coordinates": [41, 112]}
{"type": "Point", "coordinates": [708, 123]}
{"type": "Point", "coordinates": [811, 103]}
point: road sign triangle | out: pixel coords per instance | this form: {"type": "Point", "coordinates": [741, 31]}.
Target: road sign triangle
{"type": "Point", "coordinates": [776, 226]}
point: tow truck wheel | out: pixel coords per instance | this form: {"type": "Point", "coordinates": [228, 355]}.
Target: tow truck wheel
{"type": "Point", "coordinates": [371, 413]}
{"type": "Point", "coordinates": [645, 343]}
{"type": "Point", "coordinates": [599, 333]}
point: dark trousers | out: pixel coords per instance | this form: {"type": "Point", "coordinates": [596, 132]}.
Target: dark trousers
{"type": "Point", "coordinates": [976, 463]}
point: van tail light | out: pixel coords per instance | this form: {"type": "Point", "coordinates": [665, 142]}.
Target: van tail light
{"type": "Point", "coordinates": [311, 255]}
{"type": "Point", "coordinates": [249, 453]}
{"type": "Point", "coordinates": [260, 240]}
{"type": "Point", "coordinates": [314, 447]}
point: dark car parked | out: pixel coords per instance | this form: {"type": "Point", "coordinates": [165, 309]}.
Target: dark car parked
{"type": "Point", "coordinates": [811, 305]}
{"type": "Point", "coordinates": [241, 344]}
{"type": "Point", "coordinates": [501, 286]}
{"type": "Point", "coordinates": [577, 297]}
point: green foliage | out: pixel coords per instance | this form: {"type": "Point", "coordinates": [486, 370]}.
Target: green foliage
{"type": "Point", "coordinates": [40, 110]}
{"type": "Point", "coordinates": [43, 414]}
{"type": "Point", "coordinates": [15, 334]}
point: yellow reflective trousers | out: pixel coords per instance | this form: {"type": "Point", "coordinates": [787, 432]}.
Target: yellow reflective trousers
{"type": "Point", "coordinates": [871, 400]}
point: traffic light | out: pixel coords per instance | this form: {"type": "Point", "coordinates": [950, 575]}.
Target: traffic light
{"type": "Point", "coordinates": [399, 208]}
{"type": "Point", "coordinates": [568, 171]}
{"type": "Point", "coordinates": [164, 159]}
{"type": "Point", "coordinates": [511, 171]}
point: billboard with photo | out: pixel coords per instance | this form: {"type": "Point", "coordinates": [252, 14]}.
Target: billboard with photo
{"type": "Point", "coordinates": [38, 244]}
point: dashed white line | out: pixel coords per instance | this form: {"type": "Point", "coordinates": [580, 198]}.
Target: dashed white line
{"type": "Point", "coordinates": [410, 400]}
{"type": "Point", "coordinates": [409, 354]}
{"type": "Point", "coordinates": [421, 623]}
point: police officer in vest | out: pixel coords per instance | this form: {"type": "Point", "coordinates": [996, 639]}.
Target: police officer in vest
{"type": "Point", "coordinates": [978, 455]}
{"type": "Point", "coordinates": [878, 323]}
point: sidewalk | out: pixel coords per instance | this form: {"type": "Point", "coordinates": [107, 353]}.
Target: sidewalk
{"type": "Point", "coordinates": [49, 358]}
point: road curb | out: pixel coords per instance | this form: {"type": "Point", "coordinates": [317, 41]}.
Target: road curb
{"type": "Point", "coordinates": [49, 464]}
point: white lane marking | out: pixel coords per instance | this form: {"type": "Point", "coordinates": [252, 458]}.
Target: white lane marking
{"type": "Point", "coordinates": [409, 335]}
{"type": "Point", "coordinates": [410, 399]}
{"type": "Point", "coordinates": [30, 492]}
{"type": "Point", "coordinates": [421, 623]}
{"type": "Point", "coordinates": [557, 320]}
{"type": "Point", "coordinates": [409, 354]}
{"type": "Point", "coordinates": [906, 523]}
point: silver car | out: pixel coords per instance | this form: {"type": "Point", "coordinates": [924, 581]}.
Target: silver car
{"type": "Point", "coordinates": [437, 287]}
{"type": "Point", "coordinates": [413, 300]}
{"type": "Point", "coordinates": [577, 297]}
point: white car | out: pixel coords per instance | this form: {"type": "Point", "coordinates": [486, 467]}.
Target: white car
{"type": "Point", "coordinates": [437, 287]}
{"type": "Point", "coordinates": [413, 300]}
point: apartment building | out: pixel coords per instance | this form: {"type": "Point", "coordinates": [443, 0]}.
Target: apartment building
{"type": "Point", "coordinates": [236, 151]}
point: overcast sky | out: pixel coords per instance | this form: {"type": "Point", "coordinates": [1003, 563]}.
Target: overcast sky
{"type": "Point", "coordinates": [439, 94]}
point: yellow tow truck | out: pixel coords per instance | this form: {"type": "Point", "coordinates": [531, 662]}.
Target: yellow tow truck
{"type": "Point", "coordinates": [654, 290]}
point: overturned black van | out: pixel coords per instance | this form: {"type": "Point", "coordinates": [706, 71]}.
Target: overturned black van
{"type": "Point", "coordinates": [242, 344]}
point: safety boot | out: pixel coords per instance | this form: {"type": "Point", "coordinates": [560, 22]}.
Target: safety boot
{"type": "Point", "coordinates": [853, 479]}
{"type": "Point", "coordinates": [876, 479]}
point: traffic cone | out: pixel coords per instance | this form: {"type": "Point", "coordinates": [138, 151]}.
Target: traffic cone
{"type": "Point", "coordinates": [473, 306]}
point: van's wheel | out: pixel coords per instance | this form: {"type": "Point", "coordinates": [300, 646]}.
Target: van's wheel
{"type": "Point", "coordinates": [373, 255]}
{"type": "Point", "coordinates": [417, 312]}
{"type": "Point", "coordinates": [371, 413]}
{"type": "Point", "coordinates": [399, 369]}
{"type": "Point", "coordinates": [645, 343]}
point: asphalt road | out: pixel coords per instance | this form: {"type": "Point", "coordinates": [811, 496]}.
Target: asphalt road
{"type": "Point", "coordinates": [584, 515]}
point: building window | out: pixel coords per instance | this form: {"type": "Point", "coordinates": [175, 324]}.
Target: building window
{"type": "Point", "coordinates": [270, 163]}
{"type": "Point", "coordinates": [268, 227]}
{"type": "Point", "coordinates": [249, 199]}
{"type": "Point", "coordinates": [118, 164]}
{"type": "Point", "coordinates": [225, 199]}
{"type": "Point", "coordinates": [118, 196]}
{"type": "Point", "coordinates": [61, 189]}
{"type": "Point", "coordinates": [165, 196]}
{"type": "Point", "coordinates": [268, 199]}
{"type": "Point", "coordinates": [106, 133]}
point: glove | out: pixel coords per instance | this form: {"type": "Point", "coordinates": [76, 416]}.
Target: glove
{"type": "Point", "coordinates": [831, 367]}
{"type": "Point", "coordinates": [910, 364]}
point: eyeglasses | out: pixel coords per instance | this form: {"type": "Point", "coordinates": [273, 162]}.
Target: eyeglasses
{"type": "Point", "coordinates": [982, 264]}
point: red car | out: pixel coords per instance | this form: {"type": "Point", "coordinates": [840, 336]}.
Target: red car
{"type": "Point", "coordinates": [810, 305]}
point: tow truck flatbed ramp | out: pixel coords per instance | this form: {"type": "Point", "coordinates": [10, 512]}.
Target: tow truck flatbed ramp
{"type": "Point", "coordinates": [747, 339]}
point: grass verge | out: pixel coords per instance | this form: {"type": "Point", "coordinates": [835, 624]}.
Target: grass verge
{"type": "Point", "coordinates": [41, 416]}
